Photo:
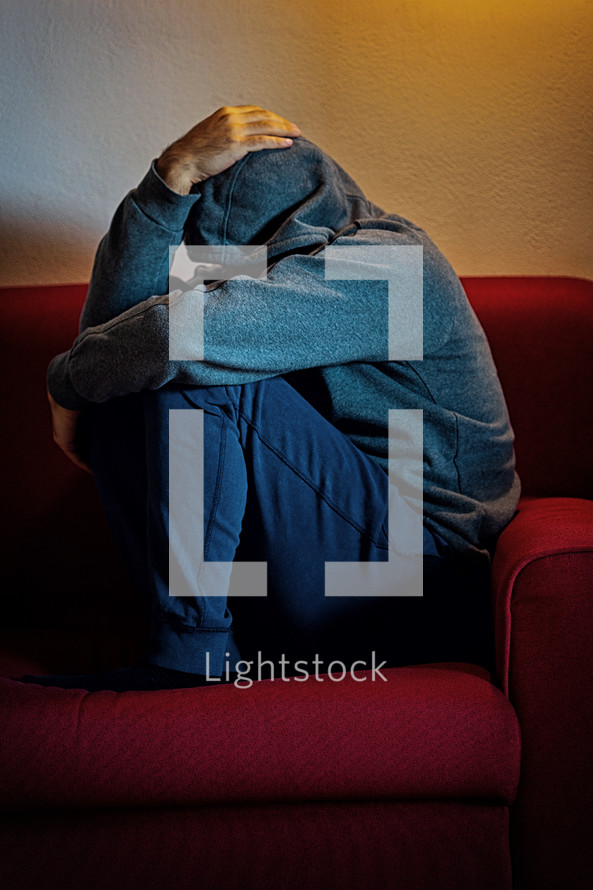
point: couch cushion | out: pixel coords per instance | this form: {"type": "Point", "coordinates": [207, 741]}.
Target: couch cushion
{"type": "Point", "coordinates": [321, 845]}
{"type": "Point", "coordinates": [437, 731]}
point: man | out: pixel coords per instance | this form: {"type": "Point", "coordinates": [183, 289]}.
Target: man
{"type": "Point", "coordinates": [296, 379]}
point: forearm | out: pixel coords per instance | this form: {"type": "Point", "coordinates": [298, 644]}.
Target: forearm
{"type": "Point", "coordinates": [294, 319]}
{"type": "Point", "coordinates": [252, 329]}
{"type": "Point", "coordinates": [128, 355]}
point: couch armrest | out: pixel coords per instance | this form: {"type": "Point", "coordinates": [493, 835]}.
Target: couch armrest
{"type": "Point", "coordinates": [543, 566]}
{"type": "Point", "coordinates": [543, 586]}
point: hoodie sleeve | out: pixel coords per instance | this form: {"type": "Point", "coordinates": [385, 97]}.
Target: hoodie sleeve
{"type": "Point", "coordinates": [132, 261]}
{"type": "Point", "coordinates": [252, 329]}
{"type": "Point", "coordinates": [131, 264]}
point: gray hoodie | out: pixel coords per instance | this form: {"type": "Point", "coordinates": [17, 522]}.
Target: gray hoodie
{"type": "Point", "coordinates": [328, 338]}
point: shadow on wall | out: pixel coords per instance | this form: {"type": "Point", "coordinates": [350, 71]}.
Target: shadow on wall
{"type": "Point", "coordinates": [45, 252]}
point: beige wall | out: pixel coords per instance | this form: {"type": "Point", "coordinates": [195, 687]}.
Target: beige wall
{"type": "Point", "coordinates": [472, 117]}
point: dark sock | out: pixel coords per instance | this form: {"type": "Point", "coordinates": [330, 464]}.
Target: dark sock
{"type": "Point", "coordinates": [143, 677]}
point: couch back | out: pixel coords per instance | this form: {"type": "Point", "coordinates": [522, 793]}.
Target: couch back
{"type": "Point", "coordinates": [56, 548]}
{"type": "Point", "coordinates": [541, 335]}
{"type": "Point", "coordinates": [58, 563]}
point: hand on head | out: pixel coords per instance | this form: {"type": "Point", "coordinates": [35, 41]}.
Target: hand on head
{"type": "Point", "coordinates": [220, 140]}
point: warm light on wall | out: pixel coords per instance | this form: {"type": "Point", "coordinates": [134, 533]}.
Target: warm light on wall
{"type": "Point", "coordinates": [473, 117]}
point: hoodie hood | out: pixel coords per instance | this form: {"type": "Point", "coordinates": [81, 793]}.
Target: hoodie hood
{"type": "Point", "coordinates": [295, 199]}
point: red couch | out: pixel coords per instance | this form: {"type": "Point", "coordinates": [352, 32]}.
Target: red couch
{"type": "Point", "coordinates": [442, 778]}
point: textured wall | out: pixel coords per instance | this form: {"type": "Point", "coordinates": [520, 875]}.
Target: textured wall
{"type": "Point", "coordinates": [472, 117]}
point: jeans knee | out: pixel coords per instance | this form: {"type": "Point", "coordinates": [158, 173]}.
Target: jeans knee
{"type": "Point", "coordinates": [211, 399]}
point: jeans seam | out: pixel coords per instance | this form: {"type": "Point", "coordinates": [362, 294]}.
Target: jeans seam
{"type": "Point", "coordinates": [179, 627]}
{"type": "Point", "coordinates": [217, 489]}
{"type": "Point", "coordinates": [285, 460]}
{"type": "Point", "coordinates": [203, 600]}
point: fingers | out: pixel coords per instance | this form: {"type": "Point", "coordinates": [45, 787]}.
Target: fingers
{"type": "Point", "coordinates": [77, 461]}
{"type": "Point", "coordinates": [70, 449]}
{"type": "Point", "coordinates": [270, 123]}
{"type": "Point", "coordinates": [72, 454]}
{"type": "Point", "coordinates": [271, 128]}
{"type": "Point", "coordinates": [65, 432]}
{"type": "Point", "coordinates": [256, 128]}
{"type": "Point", "coordinates": [257, 143]}
{"type": "Point", "coordinates": [258, 120]}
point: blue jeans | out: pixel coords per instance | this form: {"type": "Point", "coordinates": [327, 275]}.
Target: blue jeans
{"type": "Point", "coordinates": [281, 485]}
